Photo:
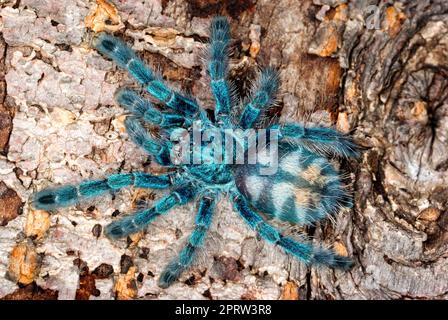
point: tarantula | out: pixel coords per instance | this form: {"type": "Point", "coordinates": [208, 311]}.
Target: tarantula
{"type": "Point", "coordinates": [305, 188]}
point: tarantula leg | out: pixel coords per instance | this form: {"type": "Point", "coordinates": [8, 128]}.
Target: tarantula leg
{"type": "Point", "coordinates": [126, 58]}
{"type": "Point", "coordinates": [145, 110]}
{"type": "Point", "coordinates": [49, 199]}
{"type": "Point", "coordinates": [262, 96]}
{"type": "Point", "coordinates": [217, 67]}
{"type": "Point", "coordinates": [303, 251]}
{"type": "Point", "coordinates": [138, 134]}
{"type": "Point", "coordinates": [324, 141]}
{"type": "Point", "coordinates": [196, 240]}
{"type": "Point", "coordinates": [140, 219]}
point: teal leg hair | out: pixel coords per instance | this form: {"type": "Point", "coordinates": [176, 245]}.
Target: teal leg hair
{"type": "Point", "coordinates": [126, 58]}
{"type": "Point", "coordinates": [138, 134]}
{"type": "Point", "coordinates": [262, 96]}
{"type": "Point", "coordinates": [140, 219]}
{"type": "Point", "coordinates": [324, 141]}
{"type": "Point", "coordinates": [305, 252]}
{"type": "Point", "coordinates": [196, 241]}
{"type": "Point", "coordinates": [65, 196]}
{"type": "Point", "coordinates": [145, 110]}
{"type": "Point", "coordinates": [218, 68]}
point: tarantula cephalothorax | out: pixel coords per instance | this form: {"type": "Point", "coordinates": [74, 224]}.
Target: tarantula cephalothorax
{"type": "Point", "coordinates": [303, 190]}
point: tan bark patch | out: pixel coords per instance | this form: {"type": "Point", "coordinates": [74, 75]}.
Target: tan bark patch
{"type": "Point", "coordinates": [62, 117]}
{"type": "Point", "coordinates": [340, 248]}
{"type": "Point", "coordinates": [420, 112]}
{"type": "Point", "coordinates": [135, 239]}
{"type": "Point", "coordinates": [393, 20]}
{"type": "Point", "coordinates": [342, 123]}
{"type": "Point", "coordinates": [125, 287]}
{"type": "Point", "coordinates": [104, 17]}
{"type": "Point", "coordinates": [326, 41]}
{"type": "Point", "coordinates": [334, 77]}
{"type": "Point", "coordinates": [340, 13]}
{"type": "Point", "coordinates": [118, 123]}
{"type": "Point", "coordinates": [24, 263]}
{"type": "Point", "coordinates": [290, 291]}
{"type": "Point", "coordinates": [429, 214]}
{"type": "Point", "coordinates": [37, 223]}
{"type": "Point", "coordinates": [330, 43]}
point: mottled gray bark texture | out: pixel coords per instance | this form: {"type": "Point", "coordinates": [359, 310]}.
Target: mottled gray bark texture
{"type": "Point", "coordinates": [378, 69]}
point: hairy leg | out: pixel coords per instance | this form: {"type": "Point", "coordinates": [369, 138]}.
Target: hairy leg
{"type": "Point", "coordinates": [145, 110]}
{"type": "Point", "coordinates": [64, 196]}
{"type": "Point", "coordinates": [126, 58]}
{"type": "Point", "coordinates": [303, 251]}
{"type": "Point", "coordinates": [262, 96]}
{"type": "Point", "coordinates": [324, 141]}
{"type": "Point", "coordinates": [195, 241]}
{"type": "Point", "coordinates": [140, 219]}
{"type": "Point", "coordinates": [139, 135]}
{"type": "Point", "coordinates": [217, 67]}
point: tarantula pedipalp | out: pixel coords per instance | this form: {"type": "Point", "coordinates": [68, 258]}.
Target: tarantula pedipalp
{"type": "Point", "coordinates": [304, 189]}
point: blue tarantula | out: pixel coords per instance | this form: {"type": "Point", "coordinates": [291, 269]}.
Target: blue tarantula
{"type": "Point", "coordinates": [305, 189]}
